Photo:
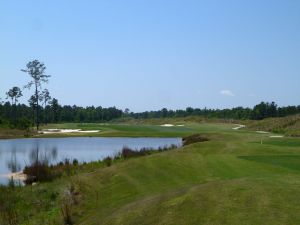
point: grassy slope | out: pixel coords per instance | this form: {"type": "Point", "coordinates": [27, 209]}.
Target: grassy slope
{"type": "Point", "coordinates": [205, 183]}
{"type": "Point", "coordinates": [289, 125]}
{"type": "Point", "coordinates": [232, 179]}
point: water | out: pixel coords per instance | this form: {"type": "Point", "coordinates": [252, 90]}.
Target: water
{"type": "Point", "coordinates": [15, 154]}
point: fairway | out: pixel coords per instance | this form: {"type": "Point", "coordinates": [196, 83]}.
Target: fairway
{"type": "Point", "coordinates": [139, 130]}
{"type": "Point", "coordinates": [230, 179]}
{"type": "Point", "coordinates": [285, 161]}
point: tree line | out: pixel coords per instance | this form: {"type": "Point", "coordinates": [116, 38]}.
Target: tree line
{"type": "Point", "coordinates": [261, 111]}
{"type": "Point", "coordinates": [56, 113]}
{"type": "Point", "coordinates": [42, 108]}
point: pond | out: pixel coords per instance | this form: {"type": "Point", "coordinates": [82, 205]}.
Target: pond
{"type": "Point", "coordinates": [15, 154]}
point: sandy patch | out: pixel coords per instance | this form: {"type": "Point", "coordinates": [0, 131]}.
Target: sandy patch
{"type": "Point", "coordinates": [66, 131]}
{"type": "Point", "coordinates": [276, 136]}
{"type": "Point", "coordinates": [262, 132]}
{"type": "Point", "coordinates": [180, 125]}
{"type": "Point", "coordinates": [167, 125]}
{"type": "Point", "coordinates": [16, 176]}
{"type": "Point", "coordinates": [238, 126]}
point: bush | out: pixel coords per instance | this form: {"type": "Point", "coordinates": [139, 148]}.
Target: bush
{"type": "Point", "coordinates": [39, 172]}
{"type": "Point", "coordinates": [129, 153]}
{"type": "Point", "coordinates": [75, 162]}
{"type": "Point", "coordinates": [196, 138]}
{"type": "Point", "coordinates": [108, 161]}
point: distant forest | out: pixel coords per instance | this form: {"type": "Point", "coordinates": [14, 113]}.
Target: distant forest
{"type": "Point", "coordinates": [17, 114]}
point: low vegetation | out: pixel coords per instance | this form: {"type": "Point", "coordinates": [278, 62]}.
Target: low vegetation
{"type": "Point", "coordinates": [286, 125]}
{"type": "Point", "coordinates": [41, 171]}
{"type": "Point", "coordinates": [196, 138]}
{"type": "Point", "coordinates": [127, 153]}
{"type": "Point", "coordinates": [9, 213]}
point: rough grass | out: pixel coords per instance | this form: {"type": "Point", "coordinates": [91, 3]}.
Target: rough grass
{"type": "Point", "coordinates": [6, 133]}
{"type": "Point", "coordinates": [289, 125]}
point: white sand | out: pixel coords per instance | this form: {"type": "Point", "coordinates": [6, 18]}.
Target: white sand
{"type": "Point", "coordinates": [16, 176]}
{"type": "Point", "coordinates": [262, 132]}
{"type": "Point", "coordinates": [239, 126]}
{"type": "Point", "coordinates": [277, 136]}
{"type": "Point", "coordinates": [66, 131]}
{"type": "Point", "coordinates": [167, 125]}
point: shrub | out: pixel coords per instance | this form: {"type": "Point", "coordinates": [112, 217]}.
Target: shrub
{"type": "Point", "coordinates": [71, 197]}
{"type": "Point", "coordinates": [129, 153]}
{"type": "Point", "coordinates": [107, 161]}
{"type": "Point", "coordinates": [38, 171]}
{"type": "Point", "coordinates": [66, 212]}
{"type": "Point", "coordinates": [194, 139]}
{"type": "Point", "coordinates": [75, 162]}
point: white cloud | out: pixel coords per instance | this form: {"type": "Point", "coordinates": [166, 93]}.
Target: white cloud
{"type": "Point", "coordinates": [227, 93]}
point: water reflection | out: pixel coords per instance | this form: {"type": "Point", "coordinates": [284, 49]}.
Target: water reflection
{"type": "Point", "coordinates": [16, 154]}
{"type": "Point", "coordinates": [13, 165]}
{"type": "Point", "coordinates": [44, 156]}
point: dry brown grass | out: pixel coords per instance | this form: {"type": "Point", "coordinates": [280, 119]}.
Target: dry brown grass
{"type": "Point", "coordinates": [288, 125]}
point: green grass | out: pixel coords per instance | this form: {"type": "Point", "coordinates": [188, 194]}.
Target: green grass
{"type": "Point", "coordinates": [286, 161]}
{"type": "Point", "coordinates": [231, 179]}
{"type": "Point", "coordinates": [138, 130]}
{"type": "Point", "coordinates": [288, 142]}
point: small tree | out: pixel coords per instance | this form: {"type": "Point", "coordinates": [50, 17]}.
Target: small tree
{"type": "Point", "coordinates": [36, 70]}
{"type": "Point", "coordinates": [46, 99]}
{"type": "Point", "coordinates": [127, 112]}
{"type": "Point", "coordinates": [55, 109]}
{"type": "Point", "coordinates": [14, 93]}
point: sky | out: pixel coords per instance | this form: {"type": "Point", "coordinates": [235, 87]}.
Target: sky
{"type": "Point", "coordinates": [151, 54]}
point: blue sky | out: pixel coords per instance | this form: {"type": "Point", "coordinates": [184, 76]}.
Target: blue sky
{"type": "Point", "coordinates": [150, 54]}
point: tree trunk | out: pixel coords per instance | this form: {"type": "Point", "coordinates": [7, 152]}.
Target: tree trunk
{"type": "Point", "coordinates": [37, 107]}
{"type": "Point", "coordinates": [45, 121]}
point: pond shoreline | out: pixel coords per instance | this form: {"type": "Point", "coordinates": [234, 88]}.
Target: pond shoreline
{"type": "Point", "coordinates": [21, 152]}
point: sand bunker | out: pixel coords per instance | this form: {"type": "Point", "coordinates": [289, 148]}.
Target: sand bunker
{"type": "Point", "coordinates": [16, 176]}
{"type": "Point", "coordinates": [276, 136]}
{"type": "Point", "coordinates": [172, 125]}
{"type": "Point", "coordinates": [262, 132]}
{"type": "Point", "coordinates": [66, 131]}
{"type": "Point", "coordinates": [239, 126]}
{"type": "Point", "coordinates": [167, 125]}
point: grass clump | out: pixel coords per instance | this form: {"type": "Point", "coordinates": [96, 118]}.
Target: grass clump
{"type": "Point", "coordinates": [9, 214]}
{"type": "Point", "coordinates": [130, 153]}
{"type": "Point", "coordinates": [194, 139]}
